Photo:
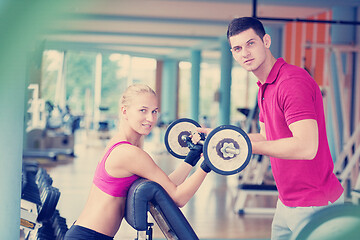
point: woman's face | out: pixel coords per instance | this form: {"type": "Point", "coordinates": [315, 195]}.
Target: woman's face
{"type": "Point", "coordinates": [141, 113]}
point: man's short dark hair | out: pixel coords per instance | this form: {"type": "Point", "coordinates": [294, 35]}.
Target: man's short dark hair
{"type": "Point", "coordinates": [239, 25]}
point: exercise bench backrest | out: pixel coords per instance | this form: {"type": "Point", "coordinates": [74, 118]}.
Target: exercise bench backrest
{"type": "Point", "coordinates": [141, 193]}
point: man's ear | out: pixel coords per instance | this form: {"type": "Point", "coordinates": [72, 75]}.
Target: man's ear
{"type": "Point", "coordinates": [267, 40]}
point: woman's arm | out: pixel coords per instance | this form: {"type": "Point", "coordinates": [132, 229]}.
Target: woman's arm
{"type": "Point", "coordinates": [144, 166]}
{"type": "Point", "coordinates": [179, 175]}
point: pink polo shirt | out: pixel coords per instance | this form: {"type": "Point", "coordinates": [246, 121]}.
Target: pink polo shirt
{"type": "Point", "coordinates": [289, 95]}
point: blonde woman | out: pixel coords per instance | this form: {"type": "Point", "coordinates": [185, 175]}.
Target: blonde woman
{"type": "Point", "coordinates": [125, 161]}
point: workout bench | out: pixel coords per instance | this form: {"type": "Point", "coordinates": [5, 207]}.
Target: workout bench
{"type": "Point", "coordinates": [147, 196]}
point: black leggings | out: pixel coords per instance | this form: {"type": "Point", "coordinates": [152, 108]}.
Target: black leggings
{"type": "Point", "coordinates": [77, 232]}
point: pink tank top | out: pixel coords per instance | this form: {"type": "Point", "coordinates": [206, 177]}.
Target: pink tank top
{"type": "Point", "coordinates": [116, 187]}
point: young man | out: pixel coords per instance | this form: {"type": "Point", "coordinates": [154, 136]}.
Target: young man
{"type": "Point", "coordinates": [292, 128]}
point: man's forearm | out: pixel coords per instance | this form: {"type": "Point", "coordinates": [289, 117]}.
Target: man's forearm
{"type": "Point", "coordinates": [285, 148]}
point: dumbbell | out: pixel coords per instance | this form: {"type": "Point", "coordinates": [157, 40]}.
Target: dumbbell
{"type": "Point", "coordinates": [227, 149]}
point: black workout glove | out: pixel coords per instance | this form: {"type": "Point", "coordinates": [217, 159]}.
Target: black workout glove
{"type": "Point", "coordinates": [205, 167]}
{"type": "Point", "coordinates": [194, 155]}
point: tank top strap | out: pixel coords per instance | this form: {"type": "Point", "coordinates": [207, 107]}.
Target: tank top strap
{"type": "Point", "coordinates": [112, 148]}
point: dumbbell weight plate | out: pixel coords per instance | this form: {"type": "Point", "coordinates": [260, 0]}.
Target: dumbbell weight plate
{"type": "Point", "coordinates": [227, 164]}
{"type": "Point", "coordinates": [174, 142]}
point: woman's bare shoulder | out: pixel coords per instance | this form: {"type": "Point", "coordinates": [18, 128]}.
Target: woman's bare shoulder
{"type": "Point", "coordinates": [127, 152]}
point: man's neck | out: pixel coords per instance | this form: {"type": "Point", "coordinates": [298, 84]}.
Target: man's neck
{"type": "Point", "coordinates": [263, 72]}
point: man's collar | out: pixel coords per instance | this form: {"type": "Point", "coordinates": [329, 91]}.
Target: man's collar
{"type": "Point", "coordinates": [274, 72]}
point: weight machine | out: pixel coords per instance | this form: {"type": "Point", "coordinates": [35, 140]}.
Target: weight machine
{"type": "Point", "coordinates": [49, 130]}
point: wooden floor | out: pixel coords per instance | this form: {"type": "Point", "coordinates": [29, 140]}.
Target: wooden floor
{"type": "Point", "coordinates": [210, 211]}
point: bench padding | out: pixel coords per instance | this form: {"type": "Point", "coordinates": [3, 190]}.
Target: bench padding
{"type": "Point", "coordinates": [141, 193]}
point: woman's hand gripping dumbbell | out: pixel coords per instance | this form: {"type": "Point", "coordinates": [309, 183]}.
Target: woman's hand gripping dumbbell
{"type": "Point", "coordinates": [195, 144]}
{"type": "Point", "coordinates": [226, 149]}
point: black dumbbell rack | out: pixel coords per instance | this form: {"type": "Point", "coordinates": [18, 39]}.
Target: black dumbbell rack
{"type": "Point", "coordinates": [39, 218]}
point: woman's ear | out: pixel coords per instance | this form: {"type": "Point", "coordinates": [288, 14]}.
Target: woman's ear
{"type": "Point", "coordinates": [267, 40]}
{"type": "Point", "coordinates": [123, 111]}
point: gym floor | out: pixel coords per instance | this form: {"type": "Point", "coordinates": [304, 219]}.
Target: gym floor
{"type": "Point", "coordinates": [210, 211]}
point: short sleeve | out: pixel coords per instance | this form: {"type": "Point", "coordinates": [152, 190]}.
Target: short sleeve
{"type": "Point", "coordinates": [296, 97]}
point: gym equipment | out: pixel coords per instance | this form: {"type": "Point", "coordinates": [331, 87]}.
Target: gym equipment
{"type": "Point", "coordinates": [147, 196]}
{"type": "Point", "coordinates": [253, 189]}
{"type": "Point", "coordinates": [104, 124]}
{"type": "Point", "coordinates": [54, 228]}
{"type": "Point", "coordinates": [48, 144]}
{"type": "Point", "coordinates": [50, 154]}
{"type": "Point", "coordinates": [39, 217]}
{"type": "Point", "coordinates": [35, 109]}
{"type": "Point", "coordinates": [50, 129]}
{"type": "Point", "coordinates": [45, 139]}
{"type": "Point", "coordinates": [176, 134]}
{"type": "Point", "coordinates": [355, 193]}
{"type": "Point", "coordinates": [340, 221]}
{"type": "Point", "coordinates": [227, 149]}
{"type": "Point", "coordinates": [30, 199]}
{"type": "Point", "coordinates": [251, 182]}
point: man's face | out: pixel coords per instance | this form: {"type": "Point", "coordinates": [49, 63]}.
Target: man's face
{"type": "Point", "coordinates": [248, 49]}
